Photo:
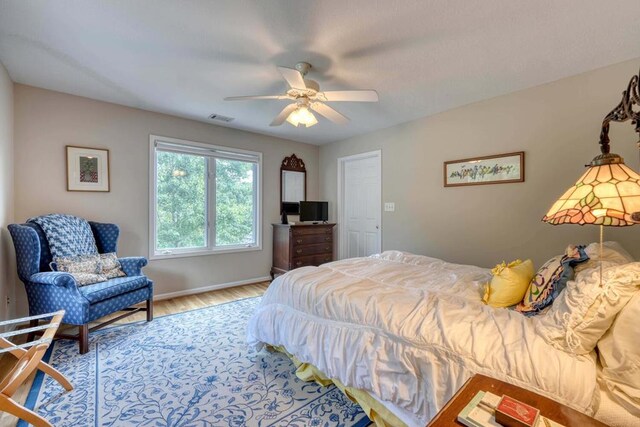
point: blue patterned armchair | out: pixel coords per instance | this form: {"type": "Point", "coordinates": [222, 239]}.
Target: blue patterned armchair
{"type": "Point", "coordinates": [49, 291]}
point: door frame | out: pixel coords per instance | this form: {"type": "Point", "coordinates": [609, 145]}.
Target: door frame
{"type": "Point", "coordinates": [342, 229]}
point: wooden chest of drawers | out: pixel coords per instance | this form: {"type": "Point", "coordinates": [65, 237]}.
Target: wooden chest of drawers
{"type": "Point", "coordinates": [301, 245]}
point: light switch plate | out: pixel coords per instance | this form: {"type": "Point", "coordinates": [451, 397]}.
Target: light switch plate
{"type": "Point", "coordinates": [389, 207]}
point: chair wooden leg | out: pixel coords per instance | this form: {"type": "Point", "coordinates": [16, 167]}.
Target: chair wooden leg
{"type": "Point", "coordinates": [83, 332]}
{"type": "Point", "coordinates": [150, 309]}
{"type": "Point", "coordinates": [32, 324]}
{"type": "Point", "coordinates": [8, 405]}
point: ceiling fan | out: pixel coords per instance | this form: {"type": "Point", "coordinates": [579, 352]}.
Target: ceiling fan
{"type": "Point", "coordinates": [307, 97]}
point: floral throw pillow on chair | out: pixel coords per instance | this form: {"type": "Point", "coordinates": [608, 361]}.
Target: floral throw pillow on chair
{"type": "Point", "coordinates": [85, 269]}
{"type": "Point", "coordinates": [111, 266]}
{"type": "Point", "coordinates": [90, 269]}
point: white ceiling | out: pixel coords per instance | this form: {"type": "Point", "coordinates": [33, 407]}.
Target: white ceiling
{"type": "Point", "coordinates": [423, 57]}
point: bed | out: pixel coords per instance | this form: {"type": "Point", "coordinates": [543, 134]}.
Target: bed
{"type": "Point", "coordinates": [409, 330]}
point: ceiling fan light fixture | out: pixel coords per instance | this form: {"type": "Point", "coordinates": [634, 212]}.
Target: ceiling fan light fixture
{"type": "Point", "coordinates": [307, 96]}
{"type": "Point", "coordinates": [302, 116]}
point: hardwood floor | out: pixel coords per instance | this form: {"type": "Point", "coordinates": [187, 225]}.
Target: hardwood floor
{"type": "Point", "coordinates": [161, 308]}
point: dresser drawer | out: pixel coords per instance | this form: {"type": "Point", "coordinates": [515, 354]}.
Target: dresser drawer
{"type": "Point", "coordinates": [303, 261]}
{"type": "Point", "coordinates": [300, 245]}
{"type": "Point", "coordinates": [323, 248]}
{"type": "Point", "coordinates": [318, 230]}
{"type": "Point", "coordinates": [309, 239]}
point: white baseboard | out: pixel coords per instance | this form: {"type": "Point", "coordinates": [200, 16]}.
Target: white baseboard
{"type": "Point", "coordinates": [202, 289]}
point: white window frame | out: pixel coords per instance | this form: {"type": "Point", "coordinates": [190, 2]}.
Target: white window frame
{"type": "Point", "coordinates": [216, 151]}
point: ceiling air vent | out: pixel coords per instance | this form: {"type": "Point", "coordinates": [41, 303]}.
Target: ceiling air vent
{"type": "Point", "coordinates": [221, 118]}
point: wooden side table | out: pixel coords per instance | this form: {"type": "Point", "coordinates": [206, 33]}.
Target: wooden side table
{"type": "Point", "coordinates": [548, 408]}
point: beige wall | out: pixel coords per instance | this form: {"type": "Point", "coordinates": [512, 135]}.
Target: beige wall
{"type": "Point", "coordinates": [7, 274]}
{"type": "Point", "coordinates": [557, 125]}
{"type": "Point", "coordinates": [46, 121]}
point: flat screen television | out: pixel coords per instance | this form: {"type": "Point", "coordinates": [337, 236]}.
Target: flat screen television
{"type": "Point", "coordinates": [314, 211]}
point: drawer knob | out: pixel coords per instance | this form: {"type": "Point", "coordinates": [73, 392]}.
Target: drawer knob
{"type": "Point", "coordinates": [327, 259]}
{"type": "Point", "coordinates": [327, 239]}
{"type": "Point", "coordinates": [299, 251]}
{"type": "Point", "coordinates": [299, 263]}
{"type": "Point", "coordinates": [299, 241]}
{"type": "Point", "coordinates": [327, 248]}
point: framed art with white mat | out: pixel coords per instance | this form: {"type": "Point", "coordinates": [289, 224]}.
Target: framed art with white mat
{"type": "Point", "coordinates": [87, 169]}
{"type": "Point", "coordinates": [496, 169]}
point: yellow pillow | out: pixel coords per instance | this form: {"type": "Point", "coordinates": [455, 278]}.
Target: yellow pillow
{"type": "Point", "coordinates": [509, 283]}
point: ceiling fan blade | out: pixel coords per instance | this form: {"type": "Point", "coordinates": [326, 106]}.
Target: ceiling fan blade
{"type": "Point", "coordinates": [284, 114]}
{"type": "Point", "coordinates": [348, 95]}
{"type": "Point", "coordinates": [248, 98]}
{"type": "Point", "coordinates": [329, 113]}
{"type": "Point", "coordinates": [293, 77]}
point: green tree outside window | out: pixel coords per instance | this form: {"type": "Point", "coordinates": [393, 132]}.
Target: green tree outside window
{"type": "Point", "coordinates": [182, 201]}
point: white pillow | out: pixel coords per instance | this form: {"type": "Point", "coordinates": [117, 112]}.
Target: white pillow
{"type": "Point", "coordinates": [612, 254]}
{"type": "Point", "coordinates": [584, 311]}
{"type": "Point", "coordinates": [620, 356]}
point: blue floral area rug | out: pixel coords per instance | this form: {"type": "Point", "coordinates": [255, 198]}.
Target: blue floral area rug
{"type": "Point", "coordinates": [187, 369]}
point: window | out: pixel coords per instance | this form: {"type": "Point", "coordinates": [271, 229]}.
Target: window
{"type": "Point", "coordinates": [204, 199]}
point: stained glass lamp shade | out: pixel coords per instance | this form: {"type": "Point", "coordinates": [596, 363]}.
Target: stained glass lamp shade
{"type": "Point", "coordinates": [608, 193]}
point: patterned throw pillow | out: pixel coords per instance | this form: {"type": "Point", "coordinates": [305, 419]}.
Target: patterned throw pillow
{"type": "Point", "coordinates": [86, 269]}
{"type": "Point", "coordinates": [111, 266]}
{"type": "Point", "coordinates": [78, 264]}
{"type": "Point", "coordinates": [550, 279]}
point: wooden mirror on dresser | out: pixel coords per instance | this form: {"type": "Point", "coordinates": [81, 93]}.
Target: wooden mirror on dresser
{"type": "Point", "coordinates": [301, 244]}
{"type": "Point", "coordinates": [293, 184]}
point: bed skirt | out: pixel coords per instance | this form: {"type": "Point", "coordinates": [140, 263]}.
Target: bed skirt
{"type": "Point", "coordinates": [375, 410]}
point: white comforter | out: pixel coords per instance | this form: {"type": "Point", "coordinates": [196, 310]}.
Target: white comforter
{"type": "Point", "coordinates": [411, 330]}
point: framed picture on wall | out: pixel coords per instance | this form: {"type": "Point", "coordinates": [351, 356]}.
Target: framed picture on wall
{"type": "Point", "coordinates": [497, 169]}
{"type": "Point", "coordinates": [87, 169]}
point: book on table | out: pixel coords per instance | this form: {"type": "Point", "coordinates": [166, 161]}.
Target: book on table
{"type": "Point", "coordinates": [513, 413]}
{"type": "Point", "coordinates": [478, 412]}
{"type": "Point", "coordinates": [481, 412]}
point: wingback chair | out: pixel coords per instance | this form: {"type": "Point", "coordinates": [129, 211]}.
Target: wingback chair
{"type": "Point", "coordinates": [49, 291]}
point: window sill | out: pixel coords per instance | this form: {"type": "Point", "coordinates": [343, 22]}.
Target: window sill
{"type": "Point", "coordinates": [205, 252]}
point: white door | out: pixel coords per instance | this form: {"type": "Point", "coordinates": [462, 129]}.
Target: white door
{"type": "Point", "coordinates": [359, 205]}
